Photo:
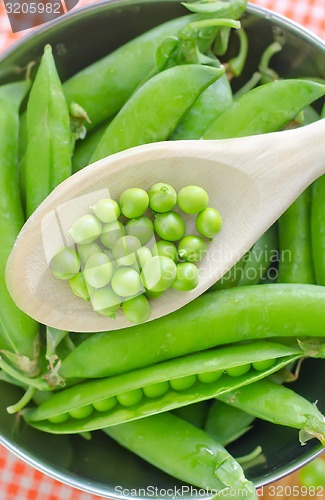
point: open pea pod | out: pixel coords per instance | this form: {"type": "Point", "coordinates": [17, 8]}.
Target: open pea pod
{"type": "Point", "coordinates": [161, 387]}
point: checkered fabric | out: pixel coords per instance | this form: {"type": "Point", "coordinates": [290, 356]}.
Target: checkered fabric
{"type": "Point", "coordinates": [19, 481]}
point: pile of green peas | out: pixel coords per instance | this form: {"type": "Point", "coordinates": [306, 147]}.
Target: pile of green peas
{"type": "Point", "coordinates": [111, 263]}
{"type": "Point", "coordinates": [159, 389]}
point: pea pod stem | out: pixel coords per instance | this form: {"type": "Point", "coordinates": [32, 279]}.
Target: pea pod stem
{"type": "Point", "coordinates": [236, 64]}
{"type": "Point", "coordinates": [36, 382]}
{"type": "Point", "coordinates": [27, 397]}
{"type": "Point", "coordinates": [208, 23]}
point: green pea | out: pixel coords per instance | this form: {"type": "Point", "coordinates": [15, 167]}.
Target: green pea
{"type": "Point", "coordinates": [98, 270]}
{"type": "Point", "coordinates": [156, 390]}
{"type": "Point", "coordinates": [165, 249]}
{"type": "Point", "coordinates": [85, 251]}
{"type": "Point", "coordinates": [169, 226]}
{"type": "Point", "coordinates": [107, 210]}
{"type": "Point", "coordinates": [79, 286]}
{"type": "Point", "coordinates": [152, 295]}
{"type": "Point", "coordinates": [124, 250]}
{"type": "Point", "coordinates": [82, 412]}
{"type": "Point", "coordinates": [65, 264]}
{"type": "Point", "coordinates": [143, 254]}
{"type": "Point", "coordinates": [162, 197]}
{"type": "Point", "coordinates": [105, 404]}
{"type": "Point", "coordinates": [112, 232]}
{"type": "Point", "coordinates": [192, 199]}
{"type": "Point", "coordinates": [126, 282]}
{"type": "Point", "coordinates": [192, 248]}
{"type": "Point", "coordinates": [237, 371]}
{"type": "Point", "coordinates": [209, 377]}
{"type": "Point", "coordinates": [141, 228]}
{"type": "Point", "coordinates": [86, 230]}
{"type": "Point", "coordinates": [209, 222]}
{"type": "Point", "coordinates": [59, 419]}
{"type": "Point", "coordinates": [130, 398]}
{"type": "Point", "coordinates": [158, 273]}
{"type": "Point", "coordinates": [106, 302]}
{"type": "Point", "coordinates": [137, 310]}
{"type": "Point", "coordinates": [183, 383]}
{"type": "Point", "coordinates": [187, 277]}
{"type": "Point", "coordinates": [263, 365]}
{"type": "Point", "coordinates": [134, 202]}
{"type": "Point", "coordinates": [109, 254]}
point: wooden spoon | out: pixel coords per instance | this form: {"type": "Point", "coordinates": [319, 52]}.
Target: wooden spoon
{"type": "Point", "coordinates": [251, 181]}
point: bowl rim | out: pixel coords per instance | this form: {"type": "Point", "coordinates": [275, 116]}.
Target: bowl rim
{"type": "Point", "coordinates": [73, 480]}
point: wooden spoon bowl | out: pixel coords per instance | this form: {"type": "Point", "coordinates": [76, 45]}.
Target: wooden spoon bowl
{"type": "Point", "coordinates": [251, 181]}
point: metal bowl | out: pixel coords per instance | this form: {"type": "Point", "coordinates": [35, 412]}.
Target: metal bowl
{"type": "Point", "coordinates": [100, 465]}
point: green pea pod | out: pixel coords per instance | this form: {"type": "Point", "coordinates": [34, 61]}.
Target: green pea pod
{"type": "Point", "coordinates": [278, 404]}
{"type": "Point", "coordinates": [317, 225]}
{"type": "Point", "coordinates": [198, 459]}
{"type": "Point", "coordinates": [234, 8]}
{"type": "Point", "coordinates": [279, 101]}
{"type": "Point", "coordinates": [318, 229]}
{"type": "Point", "coordinates": [85, 148]}
{"type": "Point", "coordinates": [194, 414]}
{"type": "Point", "coordinates": [227, 423]}
{"type": "Point", "coordinates": [201, 375]}
{"type": "Point", "coordinates": [232, 277]}
{"type": "Point", "coordinates": [259, 259]}
{"type": "Point", "coordinates": [234, 315]}
{"type": "Point", "coordinates": [153, 112]}
{"type": "Point", "coordinates": [18, 332]}
{"type": "Point", "coordinates": [209, 105]}
{"type": "Point", "coordinates": [48, 154]}
{"type": "Point", "coordinates": [296, 263]}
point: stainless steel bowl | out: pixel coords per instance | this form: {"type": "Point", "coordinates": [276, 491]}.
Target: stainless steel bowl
{"type": "Point", "coordinates": [99, 465]}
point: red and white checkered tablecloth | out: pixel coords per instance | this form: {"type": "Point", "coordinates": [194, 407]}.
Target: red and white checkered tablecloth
{"type": "Point", "coordinates": [19, 481]}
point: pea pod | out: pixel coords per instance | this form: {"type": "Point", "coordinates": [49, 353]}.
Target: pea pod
{"type": "Point", "coordinates": [85, 148]}
{"type": "Point", "coordinates": [114, 78]}
{"type": "Point", "coordinates": [232, 277]}
{"type": "Point", "coordinates": [318, 229]}
{"type": "Point", "coordinates": [194, 414]}
{"type": "Point", "coordinates": [317, 225]}
{"type": "Point", "coordinates": [162, 387]}
{"type": "Point", "coordinates": [278, 404]}
{"type": "Point", "coordinates": [296, 263]}
{"type": "Point", "coordinates": [234, 315]}
{"type": "Point", "coordinates": [18, 332]}
{"type": "Point", "coordinates": [153, 112]}
{"type": "Point", "coordinates": [48, 154]}
{"type": "Point", "coordinates": [260, 257]}
{"type": "Point", "coordinates": [209, 105]}
{"type": "Point", "coordinates": [227, 423]}
{"type": "Point", "coordinates": [280, 101]}
{"type": "Point", "coordinates": [198, 459]}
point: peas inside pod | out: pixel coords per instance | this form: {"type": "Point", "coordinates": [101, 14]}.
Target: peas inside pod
{"type": "Point", "coordinates": [117, 264]}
